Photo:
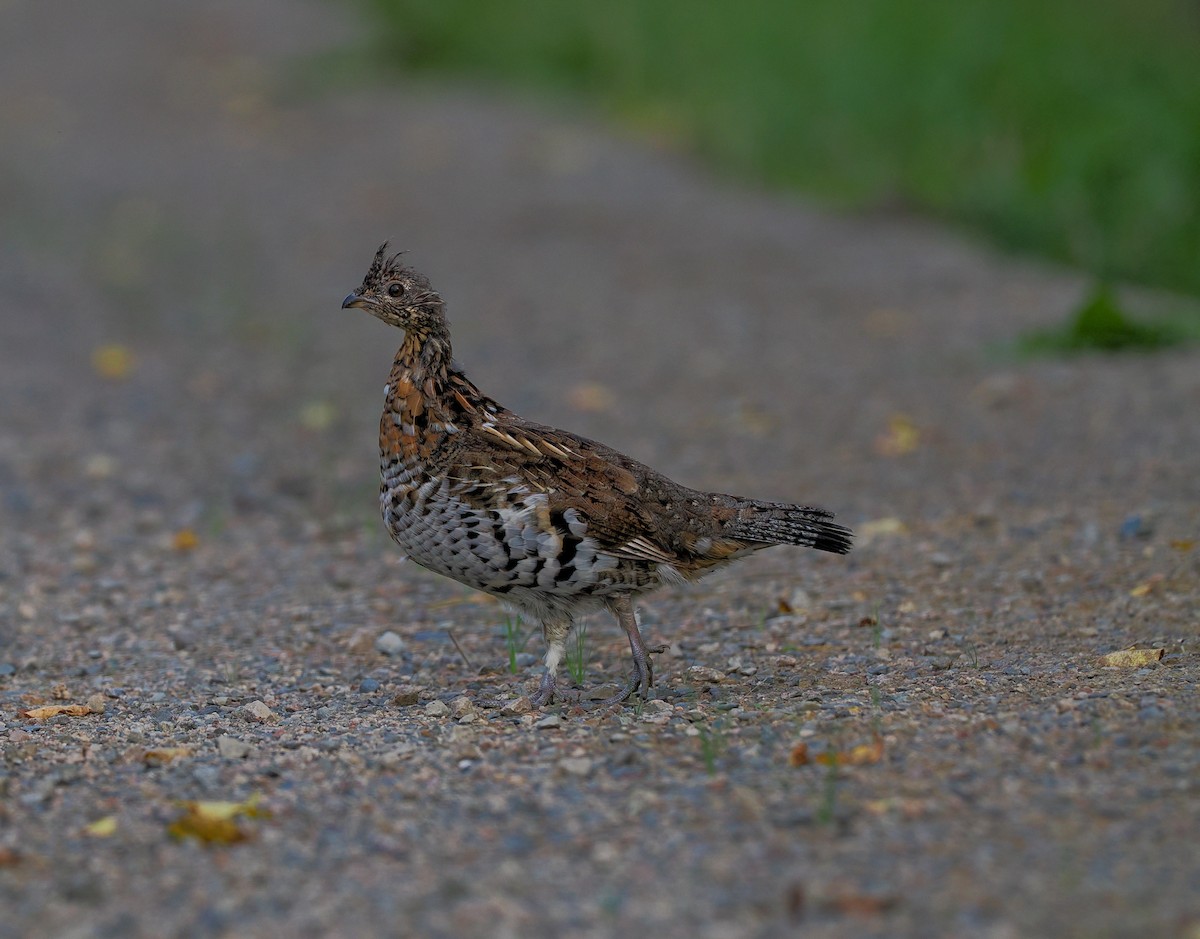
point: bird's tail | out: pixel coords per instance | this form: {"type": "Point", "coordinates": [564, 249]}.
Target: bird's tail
{"type": "Point", "coordinates": [780, 523]}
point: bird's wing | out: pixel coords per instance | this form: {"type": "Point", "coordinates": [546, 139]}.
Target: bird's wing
{"type": "Point", "coordinates": [628, 507]}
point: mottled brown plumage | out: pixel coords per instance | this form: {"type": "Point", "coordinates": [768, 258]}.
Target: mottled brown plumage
{"type": "Point", "coordinates": [550, 522]}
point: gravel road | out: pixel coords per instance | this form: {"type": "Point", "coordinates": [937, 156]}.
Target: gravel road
{"type": "Point", "coordinates": [919, 739]}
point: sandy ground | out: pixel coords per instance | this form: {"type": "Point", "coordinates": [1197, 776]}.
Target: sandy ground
{"type": "Point", "coordinates": [919, 739]}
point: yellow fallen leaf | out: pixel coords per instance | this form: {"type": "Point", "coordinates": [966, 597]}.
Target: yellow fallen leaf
{"type": "Point", "coordinates": [1131, 658]}
{"type": "Point", "coordinates": [53, 710]}
{"type": "Point", "coordinates": [860, 755]}
{"type": "Point", "coordinates": [211, 830]}
{"type": "Point", "coordinates": [226, 810]}
{"type": "Point", "coordinates": [1147, 585]}
{"type": "Point", "coordinates": [102, 827]}
{"type": "Point", "coordinates": [160, 755]}
{"type": "Point", "coordinates": [112, 361]}
{"type": "Point", "coordinates": [878, 528]}
{"type": "Point", "coordinates": [184, 540]}
{"type": "Point", "coordinates": [1183, 544]}
{"type": "Point", "coordinates": [215, 821]}
{"type": "Point", "coordinates": [591, 397]}
{"type": "Point", "coordinates": [317, 415]}
{"type": "Point", "coordinates": [902, 436]}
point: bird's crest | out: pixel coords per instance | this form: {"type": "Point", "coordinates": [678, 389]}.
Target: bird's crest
{"type": "Point", "coordinates": [381, 265]}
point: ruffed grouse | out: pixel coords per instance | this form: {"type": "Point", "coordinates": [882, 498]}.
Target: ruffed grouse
{"type": "Point", "coordinates": [551, 523]}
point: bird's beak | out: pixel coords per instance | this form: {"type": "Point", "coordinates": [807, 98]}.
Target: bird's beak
{"type": "Point", "coordinates": [353, 299]}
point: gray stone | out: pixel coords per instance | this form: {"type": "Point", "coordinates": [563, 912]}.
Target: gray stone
{"type": "Point", "coordinates": [258, 711]}
{"type": "Point", "coordinates": [576, 765]}
{"type": "Point", "coordinates": [231, 748]}
{"type": "Point", "coordinates": [437, 709]}
{"type": "Point", "coordinates": [389, 643]}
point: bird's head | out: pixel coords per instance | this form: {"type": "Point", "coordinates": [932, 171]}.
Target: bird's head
{"type": "Point", "coordinates": [400, 296]}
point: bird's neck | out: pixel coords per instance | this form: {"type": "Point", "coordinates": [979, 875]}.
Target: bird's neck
{"type": "Point", "coordinates": [417, 409]}
{"type": "Point", "coordinates": [424, 360]}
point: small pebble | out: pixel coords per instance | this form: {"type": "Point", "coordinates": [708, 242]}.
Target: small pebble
{"type": "Point", "coordinates": [437, 709]}
{"type": "Point", "coordinates": [368, 685]}
{"type": "Point", "coordinates": [658, 706]}
{"type": "Point", "coordinates": [1135, 527]}
{"type": "Point", "coordinates": [231, 748]}
{"type": "Point", "coordinates": [550, 720]}
{"type": "Point", "coordinates": [209, 777]}
{"type": "Point", "coordinates": [258, 711]}
{"type": "Point", "coordinates": [576, 765]}
{"type": "Point", "coordinates": [389, 643]}
{"type": "Point", "coordinates": [705, 674]}
{"type": "Point", "coordinates": [97, 704]}
{"type": "Point", "coordinates": [405, 696]}
{"type": "Point", "coordinates": [521, 705]}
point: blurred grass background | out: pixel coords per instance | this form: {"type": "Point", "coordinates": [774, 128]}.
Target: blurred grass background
{"type": "Point", "coordinates": [1067, 130]}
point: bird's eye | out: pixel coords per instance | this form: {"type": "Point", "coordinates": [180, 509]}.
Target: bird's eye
{"type": "Point", "coordinates": [395, 290]}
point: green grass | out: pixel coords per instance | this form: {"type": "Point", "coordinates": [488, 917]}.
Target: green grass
{"type": "Point", "coordinates": [712, 745]}
{"type": "Point", "coordinates": [1061, 129]}
{"type": "Point", "coordinates": [513, 641]}
{"type": "Point", "coordinates": [1101, 325]}
{"type": "Point", "coordinates": [576, 657]}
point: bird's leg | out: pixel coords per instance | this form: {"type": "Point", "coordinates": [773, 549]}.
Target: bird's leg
{"type": "Point", "coordinates": [555, 633]}
{"type": "Point", "coordinates": [642, 676]}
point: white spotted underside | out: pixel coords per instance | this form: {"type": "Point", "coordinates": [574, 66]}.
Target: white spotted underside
{"type": "Point", "coordinates": [503, 539]}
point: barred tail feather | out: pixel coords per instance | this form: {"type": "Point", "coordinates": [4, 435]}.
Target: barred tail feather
{"type": "Point", "coordinates": [780, 523]}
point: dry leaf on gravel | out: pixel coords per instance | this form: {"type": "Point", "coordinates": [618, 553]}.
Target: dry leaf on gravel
{"type": "Point", "coordinates": [102, 827]}
{"type": "Point", "coordinates": [184, 540]}
{"type": "Point", "coordinates": [1131, 658]}
{"type": "Point", "coordinates": [1146, 586]}
{"type": "Point", "coordinates": [228, 810]}
{"type": "Point", "coordinates": [318, 415]}
{"type": "Point", "coordinates": [215, 822]}
{"type": "Point", "coordinates": [591, 398]}
{"type": "Point", "coordinates": [860, 904]}
{"type": "Point", "coordinates": [161, 755]}
{"type": "Point", "coordinates": [860, 755]}
{"type": "Point", "coordinates": [53, 710]}
{"type": "Point", "coordinates": [901, 437]}
{"type": "Point", "coordinates": [203, 828]}
{"type": "Point", "coordinates": [878, 528]}
{"type": "Point", "coordinates": [112, 361]}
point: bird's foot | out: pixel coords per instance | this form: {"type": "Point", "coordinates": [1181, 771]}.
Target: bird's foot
{"type": "Point", "coordinates": [548, 691]}
{"type": "Point", "coordinates": [640, 679]}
